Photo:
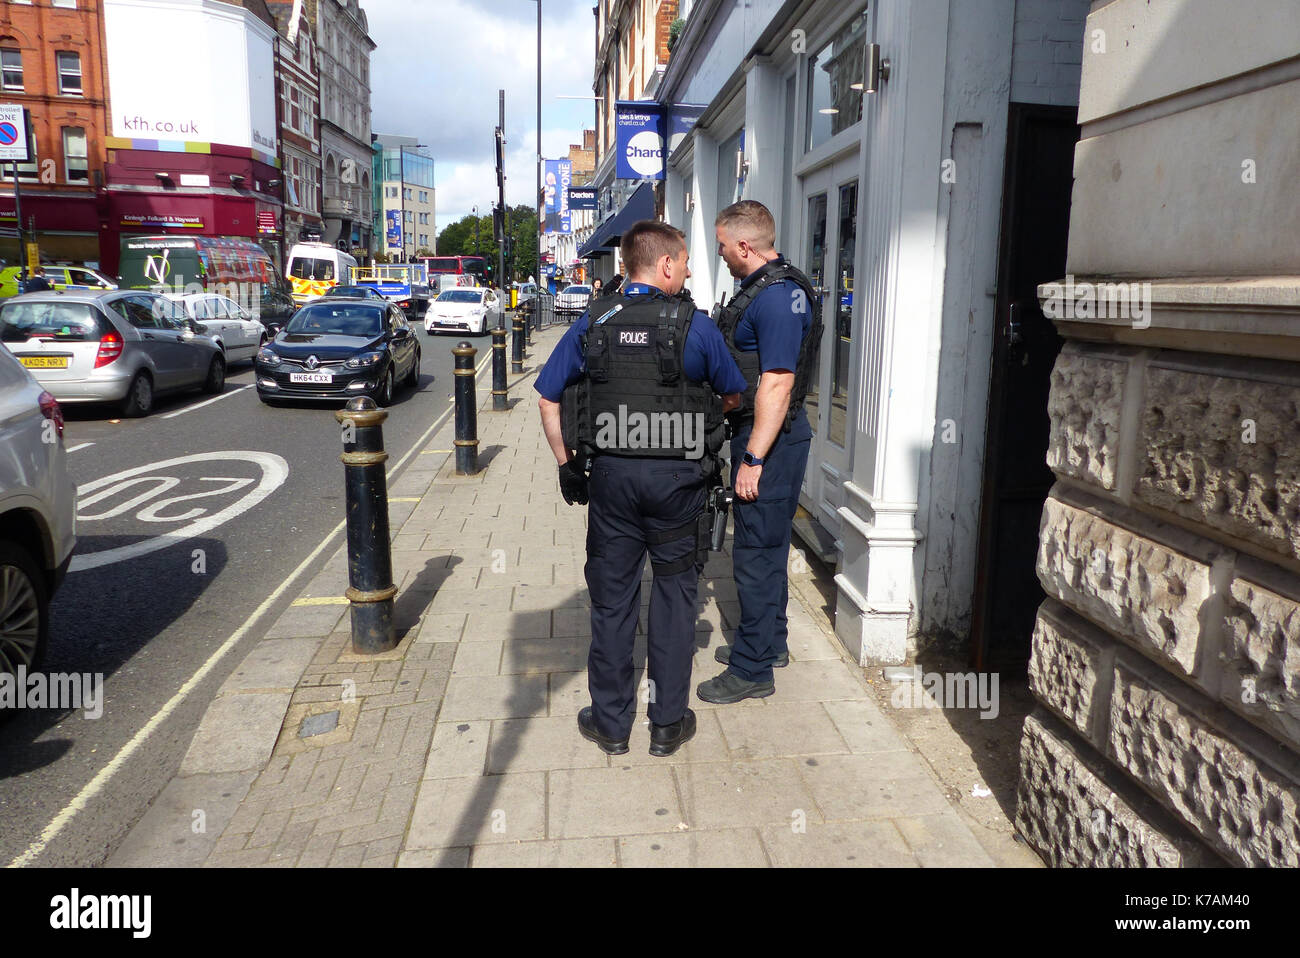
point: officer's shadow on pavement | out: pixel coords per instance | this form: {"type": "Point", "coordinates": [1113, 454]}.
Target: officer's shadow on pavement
{"type": "Point", "coordinates": [561, 664]}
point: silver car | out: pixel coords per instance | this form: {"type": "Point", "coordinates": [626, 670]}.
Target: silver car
{"type": "Point", "coordinates": [235, 330]}
{"type": "Point", "coordinates": [37, 502]}
{"type": "Point", "coordinates": [123, 347]}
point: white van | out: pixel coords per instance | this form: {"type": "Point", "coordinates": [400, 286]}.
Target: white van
{"type": "Point", "coordinates": [313, 269]}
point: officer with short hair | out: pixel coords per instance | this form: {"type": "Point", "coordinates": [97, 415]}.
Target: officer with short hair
{"type": "Point", "coordinates": [773, 331]}
{"type": "Point", "coordinates": [640, 375]}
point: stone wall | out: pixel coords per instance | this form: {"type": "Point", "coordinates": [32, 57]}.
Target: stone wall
{"type": "Point", "coordinates": [1166, 657]}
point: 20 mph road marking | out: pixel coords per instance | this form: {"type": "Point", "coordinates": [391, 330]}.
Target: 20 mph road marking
{"type": "Point", "coordinates": [274, 472]}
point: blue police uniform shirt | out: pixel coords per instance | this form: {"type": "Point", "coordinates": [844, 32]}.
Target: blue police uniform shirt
{"type": "Point", "coordinates": [770, 320]}
{"type": "Point", "coordinates": [705, 357]}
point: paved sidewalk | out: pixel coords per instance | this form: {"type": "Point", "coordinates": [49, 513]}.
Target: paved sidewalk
{"type": "Point", "coordinates": [461, 747]}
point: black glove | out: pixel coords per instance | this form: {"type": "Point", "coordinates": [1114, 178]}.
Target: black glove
{"type": "Point", "coordinates": [573, 483]}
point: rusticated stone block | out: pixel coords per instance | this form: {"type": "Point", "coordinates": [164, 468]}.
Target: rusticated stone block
{"type": "Point", "coordinates": [1085, 404]}
{"type": "Point", "coordinates": [1224, 452]}
{"type": "Point", "coordinates": [1261, 658]}
{"type": "Point", "coordinates": [1128, 583]}
{"type": "Point", "coordinates": [1228, 782]}
{"type": "Point", "coordinates": [1078, 813]}
{"type": "Point", "coordinates": [1069, 669]}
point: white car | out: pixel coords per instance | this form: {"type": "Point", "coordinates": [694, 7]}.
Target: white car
{"type": "Point", "coordinates": [470, 309]}
{"type": "Point", "coordinates": [37, 502]}
{"type": "Point", "coordinates": [573, 299]}
{"type": "Point", "coordinates": [222, 319]}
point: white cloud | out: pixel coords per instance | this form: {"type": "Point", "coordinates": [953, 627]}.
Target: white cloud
{"type": "Point", "coordinates": [436, 73]}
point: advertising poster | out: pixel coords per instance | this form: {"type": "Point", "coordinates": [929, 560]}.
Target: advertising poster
{"type": "Point", "coordinates": [394, 218]}
{"type": "Point", "coordinates": [639, 127]}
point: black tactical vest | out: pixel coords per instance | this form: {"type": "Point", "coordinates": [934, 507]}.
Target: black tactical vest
{"type": "Point", "coordinates": [727, 318]}
{"type": "Point", "coordinates": [635, 398]}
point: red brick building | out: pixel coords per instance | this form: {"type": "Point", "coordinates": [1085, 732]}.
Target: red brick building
{"type": "Point", "coordinates": [51, 62]}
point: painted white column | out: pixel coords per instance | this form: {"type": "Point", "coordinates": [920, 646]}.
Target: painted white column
{"type": "Point", "coordinates": [764, 133]}
{"type": "Point", "coordinates": [876, 602]}
{"type": "Point", "coordinates": [703, 246]}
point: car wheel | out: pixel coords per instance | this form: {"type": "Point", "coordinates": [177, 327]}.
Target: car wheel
{"type": "Point", "coordinates": [384, 392]}
{"type": "Point", "coordinates": [139, 397]}
{"type": "Point", "coordinates": [413, 380]}
{"type": "Point", "coordinates": [24, 609]}
{"type": "Point", "coordinates": [216, 380]}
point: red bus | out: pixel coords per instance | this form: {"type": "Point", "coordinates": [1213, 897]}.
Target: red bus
{"type": "Point", "coordinates": [468, 270]}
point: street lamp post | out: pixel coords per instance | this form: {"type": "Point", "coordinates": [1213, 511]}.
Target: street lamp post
{"type": "Point", "coordinates": [474, 210]}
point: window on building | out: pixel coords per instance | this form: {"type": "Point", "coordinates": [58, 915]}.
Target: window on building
{"type": "Point", "coordinates": [27, 172]}
{"type": "Point", "coordinates": [76, 160]}
{"type": "Point", "coordinates": [833, 102]}
{"type": "Point", "coordinates": [406, 192]}
{"type": "Point", "coordinates": [11, 62]}
{"type": "Point", "coordinates": [69, 73]}
{"type": "Point", "coordinates": [69, 4]}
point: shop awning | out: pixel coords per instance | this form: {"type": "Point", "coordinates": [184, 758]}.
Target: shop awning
{"type": "Point", "coordinates": [639, 206]}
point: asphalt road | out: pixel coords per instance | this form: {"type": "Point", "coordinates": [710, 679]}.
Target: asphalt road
{"type": "Point", "coordinates": [148, 613]}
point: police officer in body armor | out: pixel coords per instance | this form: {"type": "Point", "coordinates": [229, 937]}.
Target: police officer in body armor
{"type": "Point", "coordinates": [772, 328]}
{"type": "Point", "coordinates": [638, 386]}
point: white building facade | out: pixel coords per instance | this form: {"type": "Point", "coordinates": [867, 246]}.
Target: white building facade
{"type": "Point", "coordinates": [906, 206]}
{"type": "Point", "coordinates": [343, 47]}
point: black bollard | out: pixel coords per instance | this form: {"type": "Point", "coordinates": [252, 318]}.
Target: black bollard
{"type": "Point", "coordinates": [517, 345]}
{"type": "Point", "coordinates": [531, 320]}
{"type": "Point", "coordinates": [466, 411]}
{"type": "Point", "coordinates": [370, 557]}
{"type": "Point", "coordinates": [498, 370]}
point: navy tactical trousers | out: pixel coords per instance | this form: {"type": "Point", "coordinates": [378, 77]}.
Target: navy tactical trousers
{"type": "Point", "coordinates": [760, 550]}
{"type": "Point", "coordinates": [634, 503]}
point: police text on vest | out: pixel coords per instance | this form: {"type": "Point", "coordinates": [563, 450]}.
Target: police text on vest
{"type": "Point", "coordinates": [634, 337]}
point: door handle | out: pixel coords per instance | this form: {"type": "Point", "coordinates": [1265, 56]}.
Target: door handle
{"type": "Point", "coordinates": [1015, 336]}
{"type": "Point", "coordinates": [149, 336]}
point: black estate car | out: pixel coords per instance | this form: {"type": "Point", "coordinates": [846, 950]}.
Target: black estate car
{"type": "Point", "coordinates": [337, 349]}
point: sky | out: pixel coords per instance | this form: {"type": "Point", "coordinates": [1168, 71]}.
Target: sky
{"type": "Point", "coordinates": [436, 72]}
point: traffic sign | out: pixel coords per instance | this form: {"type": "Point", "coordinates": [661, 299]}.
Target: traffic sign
{"type": "Point", "coordinates": [13, 134]}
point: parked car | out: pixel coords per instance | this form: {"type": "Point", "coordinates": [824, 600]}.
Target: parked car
{"type": "Point", "coordinates": [572, 299]}
{"type": "Point", "coordinates": [233, 327]}
{"type": "Point", "coordinates": [337, 349]}
{"type": "Point", "coordinates": [355, 292]}
{"type": "Point", "coordinates": [37, 501]}
{"type": "Point", "coordinates": [471, 309]}
{"type": "Point", "coordinates": [122, 346]}
{"type": "Point", "coordinates": [59, 277]}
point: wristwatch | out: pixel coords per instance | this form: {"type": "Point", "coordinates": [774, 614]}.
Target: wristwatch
{"type": "Point", "coordinates": [751, 460]}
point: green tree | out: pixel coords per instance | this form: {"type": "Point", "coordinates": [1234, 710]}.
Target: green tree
{"type": "Point", "coordinates": [457, 239]}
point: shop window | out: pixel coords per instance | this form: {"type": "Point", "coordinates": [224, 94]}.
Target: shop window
{"type": "Point", "coordinates": [69, 73]}
{"type": "Point", "coordinates": [76, 160]}
{"type": "Point", "coordinates": [11, 69]}
{"type": "Point", "coordinates": [835, 83]}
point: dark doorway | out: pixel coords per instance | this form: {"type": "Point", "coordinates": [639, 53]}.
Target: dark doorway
{"type": "Point", "coordinates": [1032, 247]}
